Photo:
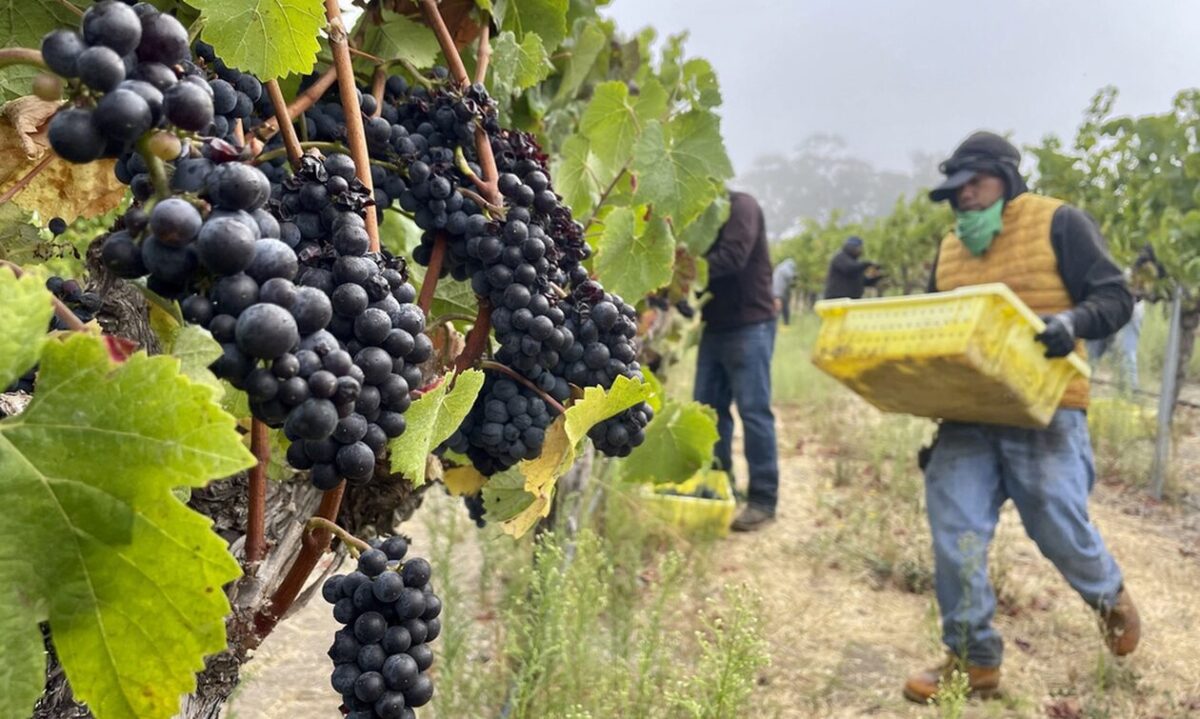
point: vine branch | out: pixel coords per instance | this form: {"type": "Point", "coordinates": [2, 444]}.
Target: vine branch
{"type": "Point", "coordinates": [433, 18]}
{"type": "Point", "coordinates": [354, 125]}
{"type": "Point", "coordinates": [604, 196]}
{"type": "Point", "coordinates": [477, 338]}
{"type": "Point", "coordinates": [518, 377]}
{"type": "Point", "coordinates": [291, 143]}
{"type": "Point", "coordinates": [484, 54]}
{"type": "Point", "coordinates": [28, 178]}
{"type": "Point", "coordinates": [260, 445]}
{"type": "Point", "coordinates": [312, 547]}
{"type": "Point", "coordinates": [21, 56]}
{"type": "Point", "coordinates": [302, 102]}
{"type": "Point", "coordinates": [433, 272]}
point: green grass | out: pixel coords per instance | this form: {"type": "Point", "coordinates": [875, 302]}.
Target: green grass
{"type": "Point", "coordinates": [596, 623]}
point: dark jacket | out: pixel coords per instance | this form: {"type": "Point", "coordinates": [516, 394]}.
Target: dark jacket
{"type": "Point", "coordinates": [739, 269]}
{"type": "Point", "coordinates": [847, 276]}
{"type": "Point", "coordinates": [1103, 302]}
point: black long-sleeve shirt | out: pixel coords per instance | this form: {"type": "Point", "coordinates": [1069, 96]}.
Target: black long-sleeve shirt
{"type": "Point", "coordinates": [1103, 302]}
{"type": "Point", "coordinates": [739, 269]}
{"type": "Point", "coordinates": [847, 277]}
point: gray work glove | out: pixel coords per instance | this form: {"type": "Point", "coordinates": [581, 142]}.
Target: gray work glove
{"type": "Point", "coordinates": [1059, 335]}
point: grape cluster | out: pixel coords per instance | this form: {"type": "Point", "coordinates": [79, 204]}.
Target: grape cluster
{"type": "Point", "coordinates": [389, 614]}
{"type": "Point", "coordinates": [237, 96]}
{"type": "Point", "coordinates": [120, 64]}
{"type": "Point", "coordinates": [368, 325]}
{"type": "Point", "coordinates": [506, 424]}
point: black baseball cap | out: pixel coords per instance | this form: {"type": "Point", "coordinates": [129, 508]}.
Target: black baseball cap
{"type": "Point", "coordinates": [981, 152]}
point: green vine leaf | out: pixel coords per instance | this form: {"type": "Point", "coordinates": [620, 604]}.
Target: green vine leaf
{"type": "Point", "coordinates": [269, 38]}
{"type": "Point", "coordinates": [614, 120]}
{"type": "Point", "coordinates": [577, 176]}
{"type": "Point", "coordinates": [129, 579]}
{"type": "Point", "coordinates": [635, 257]}
{"type": "Point", "coordinates": [678, 163]}
{"type": "Point", "coordinates": [400, 38]}
{"type": "Point", "coordinates": [518, 66]}
{"type": "Point", "coordinates": [701, 232]}
{"type": "Point", "coordinates": [27, 310]}
{"type": "Point", "coordinates": [679, 443]}
{"type": "Point", "coordinates": [547, 18]}
{"type": "Point", "coordinates": [431, 419]}
{"type": "Point", "coordinates": [590, 42]}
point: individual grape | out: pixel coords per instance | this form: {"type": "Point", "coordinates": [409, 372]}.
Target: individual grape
{"type": "Point", "coordinates": [190, 108]}
{"type": "Point", "coordinates": [74, 137]}
{"type": "Point", "coordinates": [400, 671]}
{"type": "Point", "coordinates": [61, 50]}
{"type": "Point", "coordinates": [112, 24]}
{"type": "Point", "coordinates": [100, 68]}
{"type": "Point", "coordinates": [175, 222]}
{"type": "Point", "coordinates": [266, 331]}
{"type": "Point", "coordinates": [272, 259]}
{"type": "Point", "coordinates": [164, 40]}
{"type": "Point", "coordinates": [419, 692]}
{"type": "Point", "coordinates": [225, 246]}
{"type": "Point", "coordinates": [312, 419]}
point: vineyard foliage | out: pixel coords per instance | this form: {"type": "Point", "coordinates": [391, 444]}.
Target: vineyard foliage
{"type": "Point", "coordinates": [100, 548]}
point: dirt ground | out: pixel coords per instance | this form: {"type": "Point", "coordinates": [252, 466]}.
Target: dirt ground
{"type": "Point", "coordinates": [841, 642]}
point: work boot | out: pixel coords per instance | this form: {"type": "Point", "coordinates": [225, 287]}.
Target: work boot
{"type": "Point", "coordinates": [983, 682]}
{"type": "Point", "coordinates": [1122, 625]}
{"type": "Point", "coordinates": [752, 518]}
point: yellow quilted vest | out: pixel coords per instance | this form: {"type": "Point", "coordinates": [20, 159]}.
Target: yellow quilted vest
{"type": "Point", "coordinates": [1021, 257]}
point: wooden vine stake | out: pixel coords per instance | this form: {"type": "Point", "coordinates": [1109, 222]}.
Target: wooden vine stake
{"type": "Point", "coordinates": [339, 44]}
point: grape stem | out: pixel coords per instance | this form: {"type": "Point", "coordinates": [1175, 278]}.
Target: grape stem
{"type": "Point", "coordinates": [518, 377]}
{"type": "Point", "coordinates": [71, 6]}
{"type": "Point", "coordinates": [28, 178]}
{"type": "Point", "coordinates": [450, 317]}
{"type": "Point", "coordinates": [21, 56]}
{"type": "Point", "coordinates": [302, 102]}
{"type": "Point", "coordinates": [63, 312]}
{"type": "Point", "coordinates": [158, 171]}
{"type": "Point", "coordinates": [260, 445]}
{"type": "Point", "coordinates": [604, 196]}
{"type": "Point", "coordinates": [377, 89]}
{"type": "Point", "coordinates": [356, 545]}
{"type": "Point", "coordinates": [347, 88]}
{"type": "Point", "coordinates": [312, 547]}
{"type": "Point", "coordinates": [484, 53]}
{"type": "Point", "coordinates": [364, 54]}
{"type": "Point", "coordinates": [432, 272]}
{"type": "Point", "coordinates": [291, 143]}
{"type": "Point", "coordinates": [477, 338]}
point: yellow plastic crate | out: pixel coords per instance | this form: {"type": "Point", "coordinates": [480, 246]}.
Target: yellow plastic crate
{"type": "Point", "coordinates": [694, 514]}
{"type": "Point", "coordinates": [967, 355]}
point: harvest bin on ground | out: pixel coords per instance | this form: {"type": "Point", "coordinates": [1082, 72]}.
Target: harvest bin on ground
{"type": "Point", "coordinates": [690, 513]}
{"type": "Point", "coordinates": [967, 355]}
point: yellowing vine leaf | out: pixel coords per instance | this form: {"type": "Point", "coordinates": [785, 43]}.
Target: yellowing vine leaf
{"type": "Point", "coordinates": [61, 189]}
{"type": "Point", "coordinates": [93, 540]}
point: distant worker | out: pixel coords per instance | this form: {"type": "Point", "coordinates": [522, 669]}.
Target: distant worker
{"type": "Point", "coordinates": [782, 279]}
{"type": "Point", "coordinates": [848, 274]}
{"type": "Point", "coordinates": [1143, 277]}
{"type": "Point", "coordinates": [734, 360]}
{"type": "Point", "coordinates": [1053, 257]}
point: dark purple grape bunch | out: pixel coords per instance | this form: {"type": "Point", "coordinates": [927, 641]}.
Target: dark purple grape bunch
{"type": "Point", "coordinates": [506, 424]}
{"type": "Point", "coordinates": [476, 509]}
{"type": "Point", "coordinates": [372, 328]}
{"type": "Point", "coordinates": [389, 614]}
{"type": "Point", "coordinates": [120, 68]}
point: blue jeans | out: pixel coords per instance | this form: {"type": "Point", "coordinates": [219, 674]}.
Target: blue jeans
{"type": "Point", "coordinates": [734, 365]}
{"type": "Point", "coordinates": [1048, 474]}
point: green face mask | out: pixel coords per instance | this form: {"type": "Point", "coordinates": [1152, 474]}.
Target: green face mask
{"type": "Point", "coordinates": [977, 228]}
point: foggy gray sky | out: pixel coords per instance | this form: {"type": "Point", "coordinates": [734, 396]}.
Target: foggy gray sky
{"type": "Point", "coordinates": [903, 75]}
